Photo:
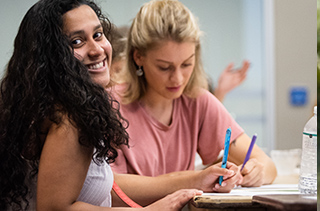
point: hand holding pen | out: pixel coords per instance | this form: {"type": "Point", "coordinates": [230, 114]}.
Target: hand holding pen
{"type": "Point", "coordinates": [231, 177]}
{"type": "Point", "coordinates": [252, 169]}
{"type": "Point", "coordinates": [225, 164]}
{"type": "Point", "coordinates": [253, 141]}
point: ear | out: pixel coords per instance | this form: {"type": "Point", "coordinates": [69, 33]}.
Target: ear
{"type": "Point", "coordinates": [138, 58]}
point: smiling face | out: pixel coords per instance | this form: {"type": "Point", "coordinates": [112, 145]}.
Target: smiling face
{"type": "Point", "coordinates": [91, 47]}
{"type": "Point", "coordinates": [168, 68]}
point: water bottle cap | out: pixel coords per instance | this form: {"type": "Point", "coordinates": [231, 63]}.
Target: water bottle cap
{"type": "Point", "coordinates": [315, 110]}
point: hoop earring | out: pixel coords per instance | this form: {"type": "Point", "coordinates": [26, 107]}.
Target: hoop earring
{"type": "Point", "coordinates": [139, 71]}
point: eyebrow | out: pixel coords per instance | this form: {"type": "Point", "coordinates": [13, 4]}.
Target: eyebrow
{"type": "Point", "coordinates": [160, 60]}
{"type": "Point", "coordinates": [82, 31]}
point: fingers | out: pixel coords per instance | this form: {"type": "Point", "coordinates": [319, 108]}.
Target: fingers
{"type": "Point", "coordinates": [174, 201]}
{"type": "Point", "coordinates": [242, 70]}
{"type": "Point", "coordinates": [208, 177]}
{"type": "Point", "coordinates": [254, 178]}
{"type": "Point", "coordinates": [245, 65]}
{"type": "Point", "coordinates": [253, 173]}
{"type": "Point", "coordinates": [232, 178]}
{"type": "Point", "coordinates": [241, 73]}
{"type": "Point", "coordinates": [229, 67]}
{"type": "Point", "coordinates": [226, 172]}
{"type": "Point", "coordinates": [181, 197]}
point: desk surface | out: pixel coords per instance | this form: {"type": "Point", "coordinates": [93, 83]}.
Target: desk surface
{"type": "Point", "coordinates": [286, 201]}
{"type": "Point", "coordinates": [289, 202]}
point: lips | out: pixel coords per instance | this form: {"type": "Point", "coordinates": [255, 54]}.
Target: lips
{"type": "Point", "coordinates": [174, 89]}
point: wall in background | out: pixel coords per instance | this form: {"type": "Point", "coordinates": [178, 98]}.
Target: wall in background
{"type": "Point", "coordinates": [295, 66]}
{"type": "Point", "coordinates": [11, 14]}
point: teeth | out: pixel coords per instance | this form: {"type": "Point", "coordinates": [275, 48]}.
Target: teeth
{"type": "Point", "coordinates": [96, 66]}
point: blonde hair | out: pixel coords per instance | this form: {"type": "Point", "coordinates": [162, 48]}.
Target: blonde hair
{"type": "Point", "coordinates": [158, 21]}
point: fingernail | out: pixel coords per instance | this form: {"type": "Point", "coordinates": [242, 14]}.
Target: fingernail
{"type": "Point", "coordinates": [198, 192]}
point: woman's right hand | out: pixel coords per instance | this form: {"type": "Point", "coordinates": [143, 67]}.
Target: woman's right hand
{"type": "Point", "coordinates": [207, 179]}
{"type": "Point", "coordinates": [175, 201]}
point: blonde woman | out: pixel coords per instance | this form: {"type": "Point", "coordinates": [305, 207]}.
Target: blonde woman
{"type": "Point", "coordinates": [171, 114]}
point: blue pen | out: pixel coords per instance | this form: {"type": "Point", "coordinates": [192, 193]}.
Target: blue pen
{"type": "Point", "coordinates": [254, 137]}
{"type": "Point", "coordinates": [226, 152]}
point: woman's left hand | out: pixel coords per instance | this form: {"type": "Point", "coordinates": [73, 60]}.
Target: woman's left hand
{"type": "Point", "coordinates": [253, 173]}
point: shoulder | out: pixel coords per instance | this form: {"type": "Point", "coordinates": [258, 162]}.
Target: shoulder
{"type": "Point", "coordinates": [61, 122]}
{"type": "Point", "coordinates": [63, 139]}
{"type": "Point", "coordinates": [65, 128]}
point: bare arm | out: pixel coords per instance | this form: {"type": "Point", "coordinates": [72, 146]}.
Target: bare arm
{"type": "Point", "coordinates": [146, 190]}
{"type": "Point", "coordinates": [62, 171]}
{"type": "Point", "coordinates": [259, 170]}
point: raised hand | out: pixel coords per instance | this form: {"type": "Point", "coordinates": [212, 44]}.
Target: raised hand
{"type": "Point", "coordinates": [230, 79]}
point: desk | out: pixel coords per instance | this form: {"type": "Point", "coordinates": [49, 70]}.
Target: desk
{"type": "Point", "coordinates": [287, 202]}
{"type": "Point", "coordinates": [265, 202]}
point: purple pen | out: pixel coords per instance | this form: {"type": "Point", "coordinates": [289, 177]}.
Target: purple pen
{"type": "Point", "coordinates": [253, 141]}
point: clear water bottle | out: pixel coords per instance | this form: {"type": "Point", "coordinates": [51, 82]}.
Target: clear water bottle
{"type": "Point", "coordinates": [308, 170]}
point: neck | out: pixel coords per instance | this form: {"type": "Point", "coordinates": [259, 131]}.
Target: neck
{"type": "Point", "coordinates": [158, 107]}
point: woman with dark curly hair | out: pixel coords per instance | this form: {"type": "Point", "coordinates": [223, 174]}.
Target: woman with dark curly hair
{"type": "Point", "coordinates": [59, 128]}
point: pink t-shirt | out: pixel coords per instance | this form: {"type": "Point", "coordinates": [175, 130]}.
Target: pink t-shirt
{"type": "Point", "coordinates": [198, 125]}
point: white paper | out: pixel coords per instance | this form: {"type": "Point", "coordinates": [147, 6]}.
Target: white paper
{"type": "Point", "coordinates": [263, 190]}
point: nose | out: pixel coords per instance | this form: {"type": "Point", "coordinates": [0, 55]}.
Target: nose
{"type": "Point", "coordinates": [177, 75]}
{"type": "Point", "coordinates": [94, 49]}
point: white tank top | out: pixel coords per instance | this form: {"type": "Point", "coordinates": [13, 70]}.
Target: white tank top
{"type": "Point", "coordinates": [96, 189]}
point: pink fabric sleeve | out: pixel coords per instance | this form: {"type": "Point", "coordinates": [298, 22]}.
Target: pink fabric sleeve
{"type": "Point", "coordinates": [215, 120]}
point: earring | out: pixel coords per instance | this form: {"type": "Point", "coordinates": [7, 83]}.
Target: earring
{"type": "Point", "coordinates": [139, 71]}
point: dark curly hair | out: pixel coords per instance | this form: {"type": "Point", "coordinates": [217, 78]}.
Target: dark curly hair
{"type": "Point", "coordinates": [44, 81]}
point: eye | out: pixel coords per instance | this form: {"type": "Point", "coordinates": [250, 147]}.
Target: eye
{"type": "Point", "coordinates": [97, 35]}
{"type": "Point", "coordinates": [186, 65]}
{"type": "Point", "coordinates": [162, 68]}
{"type": "Point", "coordinates": [76, 42]}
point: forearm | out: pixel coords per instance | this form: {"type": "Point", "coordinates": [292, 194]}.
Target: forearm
{"type": "Point", "coordinates": [219, 94]}
{"type": "Point", "coordinates": [146, 190]}
{"type": "Point", "coordinates": [77, 206]}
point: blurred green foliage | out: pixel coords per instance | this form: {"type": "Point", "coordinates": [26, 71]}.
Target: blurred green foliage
{"type": "Point", "coordinates": [318, 26]}
{"type": "Point", "coordinates": [318, 90]}
{"type": "Point", "coordinates": [318, 43]}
